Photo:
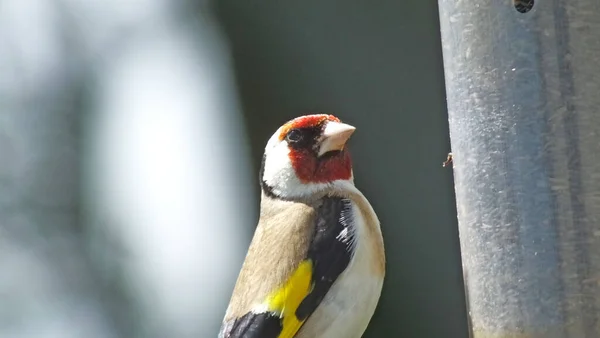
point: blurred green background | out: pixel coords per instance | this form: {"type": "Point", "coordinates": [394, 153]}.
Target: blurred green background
{"type": "Point", "coordinates": [379, 67]}
{"type": "Point", "coordinates": [131, 135]}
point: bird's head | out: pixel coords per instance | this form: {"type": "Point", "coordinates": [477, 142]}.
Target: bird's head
{"type": "Point", "coordinates": [306, 155]}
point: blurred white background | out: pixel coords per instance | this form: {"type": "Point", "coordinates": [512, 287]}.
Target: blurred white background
{"type": "Point", "coordinates": [131, 134]}
{"type": "Point", "coordinates": [122, 157]}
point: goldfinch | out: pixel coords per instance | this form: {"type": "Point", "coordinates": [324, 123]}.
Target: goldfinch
{"type": "Point", "coordinates": [316, 264]}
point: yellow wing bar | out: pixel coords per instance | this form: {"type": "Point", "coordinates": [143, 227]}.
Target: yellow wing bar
{"type": "Point", "coordinates": [287, 298]}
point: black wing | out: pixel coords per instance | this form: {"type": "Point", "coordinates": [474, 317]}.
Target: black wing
{"type": "Point", "coordinates": [330, 251]}
{"type": "Point", "coordinates": [253, 325]}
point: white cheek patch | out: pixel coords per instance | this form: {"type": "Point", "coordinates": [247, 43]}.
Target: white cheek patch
{"type": "Point", "coordinates": [279, 174]}
{"type": "Point", "coordinates": [278, 166]}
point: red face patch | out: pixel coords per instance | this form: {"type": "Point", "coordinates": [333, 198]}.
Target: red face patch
{"type": "Point", "coordinates": [312, 169]}
{"type": "Point", "coordinates": [309, 167]}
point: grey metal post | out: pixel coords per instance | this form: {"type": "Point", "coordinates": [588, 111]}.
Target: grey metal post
{"type": "Point", "coordinates": [524, 109]}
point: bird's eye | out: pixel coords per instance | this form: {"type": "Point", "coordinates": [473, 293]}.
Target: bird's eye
{"type": "Point", "coordinates": [294, 136]}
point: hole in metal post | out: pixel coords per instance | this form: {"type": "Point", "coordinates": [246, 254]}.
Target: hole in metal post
{"type": "Point", "coordinates": [523, 6]}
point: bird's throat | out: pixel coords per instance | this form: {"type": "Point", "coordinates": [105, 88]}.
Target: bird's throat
{"type": "Point", "coordinates": [324, 169]}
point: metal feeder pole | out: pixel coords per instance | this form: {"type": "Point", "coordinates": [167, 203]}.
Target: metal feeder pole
{"type": "Point", "coordinates": [523, 92]}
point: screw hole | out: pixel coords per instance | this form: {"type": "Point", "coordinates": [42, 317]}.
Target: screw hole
{"type": "Point", "coordinates": [523, 6]}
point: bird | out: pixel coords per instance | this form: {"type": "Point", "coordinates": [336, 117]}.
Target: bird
{"type": "Point", "coordinates": [316, 263]}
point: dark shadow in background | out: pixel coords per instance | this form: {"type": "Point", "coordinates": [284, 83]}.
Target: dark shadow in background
{"type": "Point", "coordinates": [377, 66]}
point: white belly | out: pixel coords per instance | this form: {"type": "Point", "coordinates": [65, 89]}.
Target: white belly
{"type": "Point", "coordinates": [349, 305]}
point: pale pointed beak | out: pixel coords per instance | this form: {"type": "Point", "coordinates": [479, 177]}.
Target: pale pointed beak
{"type": "Point", "coordinates": [335, 136]}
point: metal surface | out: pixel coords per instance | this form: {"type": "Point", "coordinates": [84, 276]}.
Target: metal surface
{"type": "Point", "coordinates": [524, 110]}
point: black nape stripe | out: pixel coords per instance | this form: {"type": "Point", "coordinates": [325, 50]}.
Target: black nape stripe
{"type": "Point", "coordinates": [256, 325]}
{"type": "Point", "coordinates": [263, 185]}
{"type": "Point", "coordinates": [330, 250]}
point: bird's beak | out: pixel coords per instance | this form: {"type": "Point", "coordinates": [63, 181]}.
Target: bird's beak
{"type": "Point", "coordinates": [335, 136]}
